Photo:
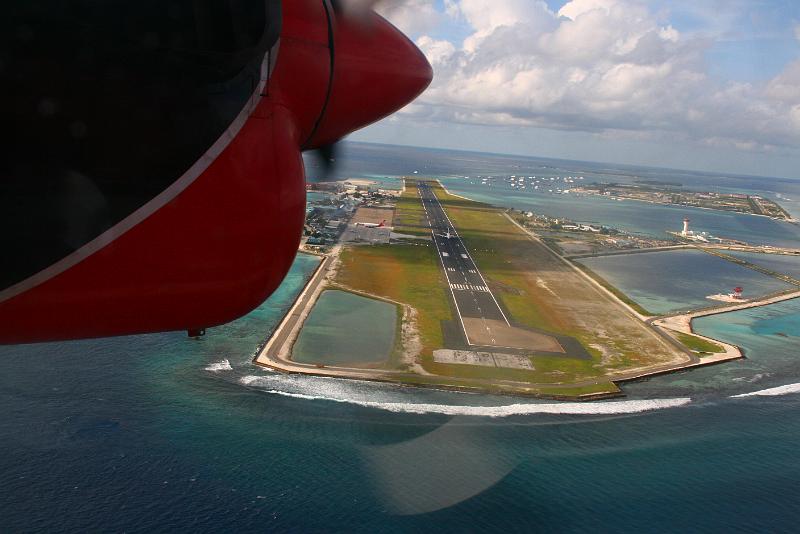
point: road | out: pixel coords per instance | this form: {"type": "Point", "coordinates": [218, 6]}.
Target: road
{"type": "Point", "coordinates": [471, 294]}
{"type": "Point", "coordinates": [278, 347]}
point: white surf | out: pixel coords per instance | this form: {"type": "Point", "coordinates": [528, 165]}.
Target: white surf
{"type": "Point", "coordinates": [216, 367]}
{"type": "Point", "coordinates": [771, 392]}
{"type": "Point", "coordinates": [316, 389]}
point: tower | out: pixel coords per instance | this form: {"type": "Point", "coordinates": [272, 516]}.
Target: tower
{"type": "Point", "coordinates": [685, 226]}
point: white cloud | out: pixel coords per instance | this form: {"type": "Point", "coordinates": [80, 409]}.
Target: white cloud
{"type": "Point", "coordinates": [487, 16]}
{"type": "Point", "coordinates": [435, 50]}
{"type": "Point", "coordinates": [602, 66]}
{"type": "Point", "coordinates": [669, 33]}
{"type": "Point", "coordinates": [410, 16]}
{"type": "Point", "coordinates": [576, 8]}
{"type": "Point", "coordinates": [797, 31]}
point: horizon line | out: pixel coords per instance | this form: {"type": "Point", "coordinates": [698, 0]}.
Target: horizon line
{"type": "Point", "coordinates": [528, 156]}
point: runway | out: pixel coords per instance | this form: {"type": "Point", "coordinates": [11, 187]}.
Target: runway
{"type": "Point", "coordinates": [473, 299]}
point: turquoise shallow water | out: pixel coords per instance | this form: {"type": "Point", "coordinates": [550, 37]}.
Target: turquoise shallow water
{"type": "Point", "coordinates": [770, 337]}
{"type": "Point", "coordinates": [786, 325]}
{"type": "Point", "coordinates": [163, 433]}
{"type": "Point", "coordinates": [664, 282]}
{"type": "Point", "coordinates": [159, 433]}
{"type": "Point", "coordinates": [633, 216]}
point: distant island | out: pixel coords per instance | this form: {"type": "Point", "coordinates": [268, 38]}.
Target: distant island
{"type": "Point", "coordinates": [668, 193]}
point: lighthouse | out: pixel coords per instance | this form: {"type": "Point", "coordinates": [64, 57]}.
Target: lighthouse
{"type": "Point", "coordinates": [685, 227]}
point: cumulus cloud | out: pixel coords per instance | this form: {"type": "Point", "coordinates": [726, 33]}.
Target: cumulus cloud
{"type": "Point", "coordinates": [603, 66]}
{"type": "Point", "coordinates": [436, 50]}
{"type": "Point", "coordinates": [577, 8]}
{"type": "Point", "coordinates": [411, 16]}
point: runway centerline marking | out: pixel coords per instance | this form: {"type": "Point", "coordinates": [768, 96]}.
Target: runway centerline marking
{"type": "Point", "coordinates": [463, 263]}
{"type": "Point", "coordinates": [465, 256]}
{"type": "Point", "coordinates": [441, 260]}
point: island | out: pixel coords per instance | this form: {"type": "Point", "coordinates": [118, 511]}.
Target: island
{"type": "Point", "coordinates": [422, 287]}
{"type": "Point", "coordinates": [668, 193]}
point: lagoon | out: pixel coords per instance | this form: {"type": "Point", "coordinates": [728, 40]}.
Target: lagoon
{"type": "Point", "coordinates": [779, 263]}
{"type": "Point", "coordinates": [633, 216]}
{"type": "Point", "coordinates": [666, 282]}
{"type": "Point", "coordinates": [347, 329]}
{"type": "Point", "coordinates": [770, 339]}
{"type": "Point", "coordinates": [155, 432]}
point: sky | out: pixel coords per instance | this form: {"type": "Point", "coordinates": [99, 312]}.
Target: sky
{"type": "Point", "coordinates": [710, 85]}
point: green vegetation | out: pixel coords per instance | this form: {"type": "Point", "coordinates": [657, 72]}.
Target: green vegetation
{"type": "Point", "coordinates": [542, 292]}
{"type": "Point", "coordinates": [535, 288]}
{"type": "Point", "coordinates": [405, 273]}
{"type": "Point", "coordinates": [553, 244]}
{"type": "Point", "coordinates": [496, 245]}
{"type": "Point", "coordinates": [710, 200]}
{"type": "Point", "coordinates": [698, 344]}
{"type": "Point", "coordinates": [409, 216]}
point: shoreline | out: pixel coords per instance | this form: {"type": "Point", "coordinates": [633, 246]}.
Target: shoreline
{"type": "Point", "coordinates": [790, 219]}
{"type": "Point", "coordinates": [292, 314]}
{"type": "Point", "coordinates": [276, 352]}
{"type": "Point", "coordinates": [732, 352]}
{"type": "Point", "coordinates": [684, 323]}
{"type": "Point", "coordinates": [755, 249]}
{"type": "Point", "coordinates": [438, 181]}
{"type": "Point", "coordinates": [684, 320]}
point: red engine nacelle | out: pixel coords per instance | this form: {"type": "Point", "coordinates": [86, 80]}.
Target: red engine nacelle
{"type": "Point", "coordinates": [221, 238]}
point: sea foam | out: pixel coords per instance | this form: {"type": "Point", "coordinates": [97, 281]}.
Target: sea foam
{"type": "Point", "coordinates": [223, 365]}
{"type": "Point", "coordinates": [268, 384]}
{"type": "Point", "coordinates": [771, 392]}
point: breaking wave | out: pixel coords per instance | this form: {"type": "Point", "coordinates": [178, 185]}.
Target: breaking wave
{"type": "Point", "coordinates": [755, 378]}
{"type": "Point", "coordinates": [771, 392]}
{"type": "Point", "coordinates": [223, 365]}
{"type": "Point", "coordinates": [334, 394]}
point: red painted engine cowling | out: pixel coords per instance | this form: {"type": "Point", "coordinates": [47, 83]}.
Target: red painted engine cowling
{"type": "Point", "coordinates": [220, 240]}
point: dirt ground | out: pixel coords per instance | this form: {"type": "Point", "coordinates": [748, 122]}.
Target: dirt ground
{"type": "Point", "coordinates": [488, 332]}
{"type": "Point", "coordinates": [591, 315]}
{"type": "Point", "coordinates": [484, 359]}
{"type": "Point", "coordinates": [374, 215]}
{"type": "Point", "coordinates": [577, 247]}
{"type": "Point", "coordinates": [552, 296]}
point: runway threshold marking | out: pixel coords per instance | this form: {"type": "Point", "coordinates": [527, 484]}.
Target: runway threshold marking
{"type": "Point", "coordinates": [447, 276]}
{"type": "Point", "coordinates": [455, 232]}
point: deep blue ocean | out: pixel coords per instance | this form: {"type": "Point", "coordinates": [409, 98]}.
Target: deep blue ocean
{"type": "Point", "coordinates": [164, 433]}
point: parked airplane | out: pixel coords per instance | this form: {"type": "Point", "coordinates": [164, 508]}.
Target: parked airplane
{"type": "Point", "coordinates": [372, 225]}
